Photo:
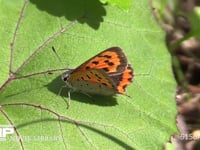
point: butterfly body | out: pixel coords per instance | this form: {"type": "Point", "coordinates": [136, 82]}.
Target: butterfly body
{"type": "Point", "coordinates": [107, 73]}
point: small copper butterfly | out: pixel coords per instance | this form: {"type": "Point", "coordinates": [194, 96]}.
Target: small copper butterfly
{"type": "Point", "coordinates": [108, 73]}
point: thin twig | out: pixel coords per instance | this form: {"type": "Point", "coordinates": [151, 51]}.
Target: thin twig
{"type": "Point", "coordinates": [10, 121]}
{"type": "Point", "coordinates": [15, 35]}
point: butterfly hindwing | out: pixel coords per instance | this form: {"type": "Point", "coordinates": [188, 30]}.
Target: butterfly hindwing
{"type": "Point", "coordinates": [92, 81]}
{"type": "Point", "coordinates": [123, 80]}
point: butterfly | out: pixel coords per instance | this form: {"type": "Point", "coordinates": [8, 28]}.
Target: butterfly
{"type": "Point", "coordinates": [107, 73]}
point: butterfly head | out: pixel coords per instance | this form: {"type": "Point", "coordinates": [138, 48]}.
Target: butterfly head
{"type": "Point", "coordinates": [66, 75]}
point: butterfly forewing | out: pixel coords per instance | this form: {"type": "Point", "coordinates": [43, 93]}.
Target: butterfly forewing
{"type": "Point", "coordinates": [110, 60]}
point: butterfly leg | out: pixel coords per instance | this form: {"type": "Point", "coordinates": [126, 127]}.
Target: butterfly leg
{"type": "Point", "coordinates": [67, 100]}
{"type": "Point", "coordinates": [64, 86]}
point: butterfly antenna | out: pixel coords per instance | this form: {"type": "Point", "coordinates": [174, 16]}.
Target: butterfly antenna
{"type": "Point", "coordinates": [57, 55]}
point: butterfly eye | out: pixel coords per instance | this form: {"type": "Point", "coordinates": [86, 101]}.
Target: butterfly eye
{"type": "Point", "coordinates": [65, 77]}
{"type": "Point", "coordinates": [66, 74]}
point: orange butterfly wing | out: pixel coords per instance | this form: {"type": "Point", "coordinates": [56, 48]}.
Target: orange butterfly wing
{"type": "Point", "coordinates": [124, 79]}
{"type": "Point", "coordinates": [110, 60]}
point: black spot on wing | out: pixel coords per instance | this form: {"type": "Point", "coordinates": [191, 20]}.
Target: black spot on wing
{"type": "Point", "coordinates": [95, 62]}
{"type": "Point", "coordinates": [88, 77]}
{"type": "Point", "coordinates": [106, 56]}
{"type": "Point", "coordinates": [98, 76]}
{"type": "Point", "coordinates": [105, 69]}
{"type": "Point", "coordinates": [124, 86]}
{"type": "Point", "coordinates": [130, 79]}
{"type": "Point", "coordinates": [87, 67]}
{"type": "Point", "coordinates": [110, 63]}
{"type": "Point", "coordinates": [104, 84]}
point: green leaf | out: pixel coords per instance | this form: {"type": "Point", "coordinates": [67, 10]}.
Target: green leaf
{"type": "Point", "coordinates": [123, 4]}
{"type": "Point", "coordinates": [78, 31]}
